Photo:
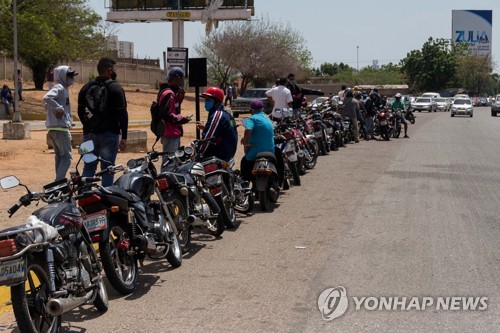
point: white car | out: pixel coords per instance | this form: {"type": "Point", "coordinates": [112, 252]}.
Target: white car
{"type": "Point", "coordinates": [462, 106]}
{"type": "Point", "coordinates": [442, 104]}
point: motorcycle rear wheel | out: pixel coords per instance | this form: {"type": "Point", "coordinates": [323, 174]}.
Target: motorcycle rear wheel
{"type": "Point", "coordinates": [119, 266]}
{"type": "Point", "coordinates": [90, 260]}
{"type": "Point", "coordinates": [29, 300]}
{"type": "Point", "coordinates": [264, 202]}
{"type": "Point", "coordinates": [313, 148]}
{"type": "Point", "coordinates": [295, 173]}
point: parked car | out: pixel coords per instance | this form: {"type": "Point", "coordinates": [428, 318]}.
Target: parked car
{"type": "Point", "coordinates": [424, 104]}
{"type": "Point", "coordinates": [442, 104]}
{"type": "Point", "coordinates": [495, 105]}
{"type": "Point", "coordinates": [483, 101]}
{"type": "Point", "coordinates": [475, 101]}
{"type": "Point", "coordinates": [431, 94]}
{"type": "Point", "coordinates": [462, 106]}
{"type": "Point", "coordinates": [241, 104]}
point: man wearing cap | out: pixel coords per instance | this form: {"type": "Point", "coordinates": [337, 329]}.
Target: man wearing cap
{"type": "Point", "coordinates": [169, 100]}
{"type": "Point", "coordinates": [59, 119]}
{"type": "Point", "coordinates": [258, 138]}
{"type": "Point", "coordinates": [280, 98]}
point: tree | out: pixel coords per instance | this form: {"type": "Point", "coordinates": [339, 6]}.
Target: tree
{"type": "Point", "coordinates": [432, 67]}
{"type": "Point", "coordinates": [51, 31]}
{"type": "Point", "coordinates": [474, 73]}
{"type": "Point", "coordinates": [259, 50]}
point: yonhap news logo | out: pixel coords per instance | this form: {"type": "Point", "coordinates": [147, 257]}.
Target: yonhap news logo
{"type": "Point", "coordinates": [333, 303]}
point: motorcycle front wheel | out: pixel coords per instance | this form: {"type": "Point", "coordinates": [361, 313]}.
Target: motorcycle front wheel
{"type": "Point", "coordinates": [217, 227]}
{"type": "Point", "coordinates": [29, 301]}
{"type": "Point", "coordinates": [227, 213]}
{"type": "Point", "coordinates": [174, 254]}
{"type": "Point", "coordinates": [313, 148]}
{"type": "Point", "coordinates": [179, 215]}
{"type": "Point", "coordinates": [120, 266]}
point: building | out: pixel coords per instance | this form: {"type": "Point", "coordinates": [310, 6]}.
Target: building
{"type": "Point", "coordinates": [124, 50]}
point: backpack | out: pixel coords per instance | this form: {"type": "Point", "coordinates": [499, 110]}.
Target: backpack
{"type": "Point", "coordinates": [96, 99]}
{"type": "Point", "coordinates": [159, 111]}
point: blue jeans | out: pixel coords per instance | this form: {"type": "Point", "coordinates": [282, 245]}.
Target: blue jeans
{"type": "Point", "coordinates": [106, 148]}
{"type": "Point", "coordinates": [61, 141]}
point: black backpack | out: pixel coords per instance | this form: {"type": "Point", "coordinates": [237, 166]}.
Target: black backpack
{"type": "Point", "coordinates": [96, 99]}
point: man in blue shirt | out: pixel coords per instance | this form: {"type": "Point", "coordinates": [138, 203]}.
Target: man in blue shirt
{"type": "Point", "coordinates": [258, 138]}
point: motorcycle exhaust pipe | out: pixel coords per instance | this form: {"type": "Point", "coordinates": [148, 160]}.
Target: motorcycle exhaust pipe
{"type": "Point", "coordinates": [58, 306]}
{"type": "Point", "coordinates": [196, 221]}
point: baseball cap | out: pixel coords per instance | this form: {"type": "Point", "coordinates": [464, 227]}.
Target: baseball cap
{"type": "Point", "coordinates": [174, 72]}
{"type": "Point", "coordinates": [257, 105]}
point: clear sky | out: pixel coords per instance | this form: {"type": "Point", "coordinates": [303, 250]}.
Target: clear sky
{"type": "Point", "coordinates": [384, 30]}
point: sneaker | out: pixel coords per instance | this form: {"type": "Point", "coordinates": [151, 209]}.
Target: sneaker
{"type": "Point", "coordinates": [407, 137]}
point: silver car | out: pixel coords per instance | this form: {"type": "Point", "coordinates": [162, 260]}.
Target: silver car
{"type": "Point", "coordinates": [424, 104]}
{"type": "Point", "coordinates": [495, 105]}
{"type": "Point", "coordinates": [462, 106]}
{"type": "Point", "coordinates": [442, 104]}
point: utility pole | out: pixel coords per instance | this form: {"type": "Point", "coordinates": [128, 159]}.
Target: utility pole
{"type": "Point", "coordinates": [357, 58]}
{"type": "Point", "coordinates": [17, 115]}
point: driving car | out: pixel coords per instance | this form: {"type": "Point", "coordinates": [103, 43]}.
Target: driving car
{"type": "Point", "coordinates": [424, 104]}
{"type": "Point", "coordinates": [442, 104]}
{"type": "Point", "coordinates": [241, 104]}
{"type": "Point", "coordinates": [462, 106]}
{"type": "Point", "coordinates": [495, 105]}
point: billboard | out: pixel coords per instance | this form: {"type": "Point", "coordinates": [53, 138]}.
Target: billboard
{"type": "Point", "coordinates": [473, 27]}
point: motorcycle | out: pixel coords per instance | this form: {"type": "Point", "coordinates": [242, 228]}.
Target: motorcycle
{"type": "Point", "coordinates": [127, 223]}
{"type": "Point", "coordinates": [266, 180]}
{"type": "Point", "coordinates": [408, 114]}
{"type": "Point", "coordinates": [381, 125]}
{"type": "Point", "coordinates": [396, 123]}
{"type": "Point", "coordinates": [320, 132]}
{"type": "Point", "coordinates": [49, 263]}
{"type": "Point", "coordinates": [184, 187]}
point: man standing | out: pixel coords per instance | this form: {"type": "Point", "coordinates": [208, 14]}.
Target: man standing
{"type": "Point", "coordinates": [298, 94]}
{"type": "Point", "coordinates": [341, 93]}
{"type": "Point", "coordinates": [7, 98]}
{"type": "Point", "coordinates": [350, 110]}
{"type": "Point", "coordinates": [229, 96]}
{"type": "Point", "coordinates": [280, 98]}
{"type": "Point", "coordinates": [169, 100]}
{"type": "Point", "coordinates": [59, 119]}
{"type": "Point", "coordinates": [258, 138]}
{"type": "Point", "coordinates": [112, 121]}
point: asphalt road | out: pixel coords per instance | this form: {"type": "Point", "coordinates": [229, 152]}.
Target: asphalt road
{"type": "Point", "coordinates": [408, 218]}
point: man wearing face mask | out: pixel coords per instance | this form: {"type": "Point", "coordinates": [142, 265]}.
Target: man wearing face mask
{"type": "Point", "coordinates": [59, 119]}
{"type": "Point", "coordinates": [220, 127]}
{"type": "Point", "coordinates": [106, 134]}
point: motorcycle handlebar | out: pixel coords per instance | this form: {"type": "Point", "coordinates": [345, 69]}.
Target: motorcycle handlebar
{"type": "Point", "coordinates": [14, 208]}
{"type": "Point", "coordinates": [91, 179]}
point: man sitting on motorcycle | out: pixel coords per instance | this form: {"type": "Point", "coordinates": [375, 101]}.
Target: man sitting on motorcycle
{"type": "Point", "coordinates": [258, 138]}
{"type": "Point", "coordinates": [220, 127]}
{"type": "Point", "coordinates": [400, 105]}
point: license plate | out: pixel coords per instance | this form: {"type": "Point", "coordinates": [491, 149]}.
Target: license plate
{"type": "Point", "coordinates": [12, 272]}
{"type": "Point", "coordinates": [96, 221]}
{"type": "Point", "coordinates": [383, 122]}
{"type": "Point", "coordinates": [214, 180]}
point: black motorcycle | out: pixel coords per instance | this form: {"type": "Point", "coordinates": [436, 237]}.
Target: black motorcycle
{"type": "Point", "coordinates": [128, 223]}
{"type": "Point", "coordinates": [49, 263]}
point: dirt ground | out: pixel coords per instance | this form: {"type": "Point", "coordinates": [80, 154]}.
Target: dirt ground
{"type": "Point", "coordinates": [33, 163]}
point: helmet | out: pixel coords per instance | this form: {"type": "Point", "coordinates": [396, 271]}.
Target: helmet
{"type": "Point", "coordinates": [398, 95]}
{"type": "Point", "coordinates": [349, 93]}
{"type": "Point", "coordinates": [215, 93]}
{"type": "Point", "coordinates": [358, 94]}
{"type": "Point", "coordinates": [174, 72]}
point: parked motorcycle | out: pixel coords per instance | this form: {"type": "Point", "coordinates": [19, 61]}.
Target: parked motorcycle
{"type": "Point", "coordinates": [408, 114]}
{"type": "Point", "coordinates": [128, 223]}
{"type": "Point", "coordinates": [185, 189]}
{"type": "Point", "coordinates": [49, 263]}
{"type": "Point", "coordinates": [266, 180]}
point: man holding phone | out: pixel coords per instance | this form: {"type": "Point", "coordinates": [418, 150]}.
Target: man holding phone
{"type": "Point", "coordinates": [169, 101]}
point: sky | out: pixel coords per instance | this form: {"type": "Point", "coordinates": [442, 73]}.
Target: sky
{"type": "Point", "coordinates": [352, 32]}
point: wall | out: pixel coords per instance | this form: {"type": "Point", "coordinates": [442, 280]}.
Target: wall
{"type": "Point", "coordinates": [87, 69]}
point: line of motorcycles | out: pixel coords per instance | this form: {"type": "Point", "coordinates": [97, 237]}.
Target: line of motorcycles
{"type": "Point", "coordinates": [51, 263]}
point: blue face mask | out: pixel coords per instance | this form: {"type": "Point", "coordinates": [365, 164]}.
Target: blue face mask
{"type": "Point", "coordinates": [209, 105]}
{"type": "Point", "coordinates": [69, 81]}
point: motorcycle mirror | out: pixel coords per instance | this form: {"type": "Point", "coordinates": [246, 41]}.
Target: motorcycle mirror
{"type": "Point", "coordinates": [9, 182]}
{"type": "Point", "coordinates": [86, 147]}
{"type": "Point", "coordinates": [89, 158]}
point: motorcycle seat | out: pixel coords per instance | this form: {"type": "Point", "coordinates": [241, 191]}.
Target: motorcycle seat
{"type": "Point", "coordinates": [268, 155]}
